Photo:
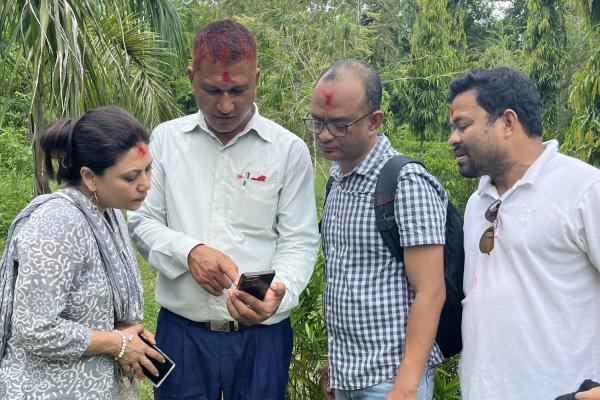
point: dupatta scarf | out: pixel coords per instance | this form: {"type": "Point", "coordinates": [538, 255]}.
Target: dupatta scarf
{"type": "Point", "coordinates": [115, 249]}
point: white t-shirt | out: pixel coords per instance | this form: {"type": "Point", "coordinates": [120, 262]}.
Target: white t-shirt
{"type": "Point", "coordinates": [531, 315]}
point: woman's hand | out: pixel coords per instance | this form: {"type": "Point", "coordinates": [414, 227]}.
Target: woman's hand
{"type": "Point", "coordinates": [137, 353]}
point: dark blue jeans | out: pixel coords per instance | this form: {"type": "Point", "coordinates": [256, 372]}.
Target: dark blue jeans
{"type": "Point", "coordinates": [249, 364]}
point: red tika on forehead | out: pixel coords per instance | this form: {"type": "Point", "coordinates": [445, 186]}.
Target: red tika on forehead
{"type": "Point", "coordinates": [226, 78]}
{"type": "Point", "coordinates": [329, 99]}
{"type": "Point", "coordinates": [141, 150]}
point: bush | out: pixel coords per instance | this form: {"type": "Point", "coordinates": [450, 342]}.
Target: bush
{"type": "Point", "coordinates": [15, 152]}
{"type": "Point", "coordinates": [310, 339]}
{"type": "Point", "coordinates": [15, 176]}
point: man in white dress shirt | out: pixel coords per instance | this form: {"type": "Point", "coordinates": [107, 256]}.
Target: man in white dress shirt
{"type": "Point", "coordinates": [232, 193]}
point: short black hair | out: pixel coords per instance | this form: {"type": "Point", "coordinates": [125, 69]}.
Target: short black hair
{"type": "Point", "coordinates": [502, 88]}
{"type": "Point", "coordinates": [367, 74]}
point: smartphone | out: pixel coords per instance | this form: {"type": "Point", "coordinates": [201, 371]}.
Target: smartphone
{"type": "Point", "coordinates": [164, 369]}
{"type": "Point", "coordinates": [256, 283]}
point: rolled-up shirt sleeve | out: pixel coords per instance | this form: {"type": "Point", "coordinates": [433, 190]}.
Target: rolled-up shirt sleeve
{"type": "Point", "coordinates": [298, 236]}
{"type": "Point", "coordinates": [165, 249]}
{"type": "Point", "coordinates": [51, 254]}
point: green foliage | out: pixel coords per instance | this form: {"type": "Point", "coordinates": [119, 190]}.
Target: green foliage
{"type": "Point", "coordinates": [447, 385]}
{"type": "Point", "coordinates": [15, 97]}
{"type": "Point", "coordinates": [15, 175]}
{"type": "Point", "coordinates": [545, 41]}
{"type": "Point", "coordinates": [15, 110]}
{"type": "Point", "coordinates": [583, 139]}
{"type": "Point", "coordinates": [501, 49]}
{"type": "Point", "coordinates": [83, 54]}
{"type": "Point", "coordinates": [135, 77]}
{"type": "Point", "coordinates": [310, 339]}
{"type": "Point", "coordinates": [434, 63]}
{"type": "Point", "coordinates": [479, 21]}
{"type": "Point", "coordinates": [151, 309]}
{"type": "Point", "coordinates": [516, 16]}
{"type": "Point", "coordinates": [15, 155]}
{"type": "Point", "coordinates": [588, 9]}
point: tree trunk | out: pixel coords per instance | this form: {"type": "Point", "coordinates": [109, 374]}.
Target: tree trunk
{"type": "Point", "coordinates": [40, 180]}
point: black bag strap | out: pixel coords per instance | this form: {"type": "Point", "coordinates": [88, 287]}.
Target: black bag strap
{"type": "Point", "coordinates": [328, 187]}
{"type": "Point", "coordinates": [327, 190]}
{"type": "Point", "coordinates": [385, 194]}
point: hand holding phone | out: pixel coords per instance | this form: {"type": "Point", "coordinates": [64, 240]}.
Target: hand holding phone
{"type": "Point", "coordinates": [164, 369]}
{"type": "Point", "coordinates": [256, 283]}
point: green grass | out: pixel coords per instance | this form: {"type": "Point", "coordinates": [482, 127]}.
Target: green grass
{"type": "Point", "coordinates": [150, 313]}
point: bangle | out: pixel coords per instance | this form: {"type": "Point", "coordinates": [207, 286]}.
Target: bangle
{"type": "Point", "coordinates": [123, 345]}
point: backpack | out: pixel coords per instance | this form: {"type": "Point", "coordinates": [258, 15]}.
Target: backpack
{"type": "Point", "coordinates": [448, 336]}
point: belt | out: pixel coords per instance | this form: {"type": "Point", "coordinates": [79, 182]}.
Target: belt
{"type": "Point", "coordinates": [221, 326]}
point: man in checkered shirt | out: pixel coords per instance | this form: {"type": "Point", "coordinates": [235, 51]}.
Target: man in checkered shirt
{"type": "Point", "coordinates": [381, 314]}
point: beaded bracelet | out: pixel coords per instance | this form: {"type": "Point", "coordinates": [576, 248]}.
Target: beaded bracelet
{"type": "Point", "coordinates": [123, 345]}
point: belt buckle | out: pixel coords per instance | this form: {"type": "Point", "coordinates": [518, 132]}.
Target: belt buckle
{"type": "Point", "coordinates": [223, 326]}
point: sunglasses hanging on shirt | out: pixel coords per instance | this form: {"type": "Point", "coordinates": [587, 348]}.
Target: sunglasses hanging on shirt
{"type": "Point", "coordinates": [486, 243]}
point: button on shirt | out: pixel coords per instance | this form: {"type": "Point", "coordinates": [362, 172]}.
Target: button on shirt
{"type": "Point", "coordinates": [367, 294]}
{"type": "Point", "coordinates": [253, 199]}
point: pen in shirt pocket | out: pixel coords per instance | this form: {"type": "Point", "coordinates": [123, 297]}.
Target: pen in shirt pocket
{"type": "Point", "coordinates": [245, 180]}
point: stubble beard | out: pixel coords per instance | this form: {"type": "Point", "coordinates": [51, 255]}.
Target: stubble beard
{"type": "Point", "coordinates": [488, 158]}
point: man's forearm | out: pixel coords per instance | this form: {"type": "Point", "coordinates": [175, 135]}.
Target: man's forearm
{"type": "Point", "coordinates": [165, 249]}
{"type": "Point", "coordinates": [420, 336]}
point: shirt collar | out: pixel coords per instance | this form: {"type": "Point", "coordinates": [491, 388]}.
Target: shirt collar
{"type": "Point", "coordinates": [532, 174]}
{"type": "Point", "coordinates": [371, 160]}
{"type": "Point", "coordinates": [256, 124]}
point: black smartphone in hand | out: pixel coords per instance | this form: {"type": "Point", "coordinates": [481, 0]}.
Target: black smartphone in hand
{"type": "Point", "coordinates": [164, 369]}
{"type": "Point", "coordinates": [256, 283]}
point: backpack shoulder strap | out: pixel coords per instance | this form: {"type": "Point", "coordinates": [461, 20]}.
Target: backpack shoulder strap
{"type": "Point", "coordinates": [385, 194]}
{"type": "Point", "coordinates": [327, 190]}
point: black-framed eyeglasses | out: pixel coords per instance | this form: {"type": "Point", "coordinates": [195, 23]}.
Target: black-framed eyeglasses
{"type": "Point", "coordinates": [486, 243]}
{"type": "Point", "coordinates": [337, 129]}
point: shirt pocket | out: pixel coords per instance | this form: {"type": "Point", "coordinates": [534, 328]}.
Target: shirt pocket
{"type": "Point", "coordinates": [255, 204]}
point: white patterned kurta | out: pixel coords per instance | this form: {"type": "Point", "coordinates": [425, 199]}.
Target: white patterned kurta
{"type": "Point", "coordinates": [62, 293]}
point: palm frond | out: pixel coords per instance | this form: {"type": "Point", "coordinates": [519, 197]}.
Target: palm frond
{"type": "Point", "coordinates": [140, 85]}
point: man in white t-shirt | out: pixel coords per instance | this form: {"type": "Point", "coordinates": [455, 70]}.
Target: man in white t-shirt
{"type": "Point", "coordinates": [531, 316]}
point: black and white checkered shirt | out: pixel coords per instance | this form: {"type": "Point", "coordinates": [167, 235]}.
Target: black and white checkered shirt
{"type": "Point", "coordinates": [367, 294]}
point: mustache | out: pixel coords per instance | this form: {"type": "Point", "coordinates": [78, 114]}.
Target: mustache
{"type": "Point", "coordinates": [460, 151]}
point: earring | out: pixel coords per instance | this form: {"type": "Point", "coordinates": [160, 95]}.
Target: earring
{"type": "Point", "coordinates": [93, 201]}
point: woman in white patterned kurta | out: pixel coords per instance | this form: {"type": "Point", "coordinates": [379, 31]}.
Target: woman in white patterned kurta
{"type": "Point", "coordinates": [69, 274]}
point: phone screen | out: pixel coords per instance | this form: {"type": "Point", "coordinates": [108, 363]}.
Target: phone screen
{"type": "Point", "coordinates": [164, 369]}
{"type": "Point", "coordinates": [256, 283]}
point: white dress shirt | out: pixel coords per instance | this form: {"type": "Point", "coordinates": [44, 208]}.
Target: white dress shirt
{"type": "Point", "coordinates": [253, 199]}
